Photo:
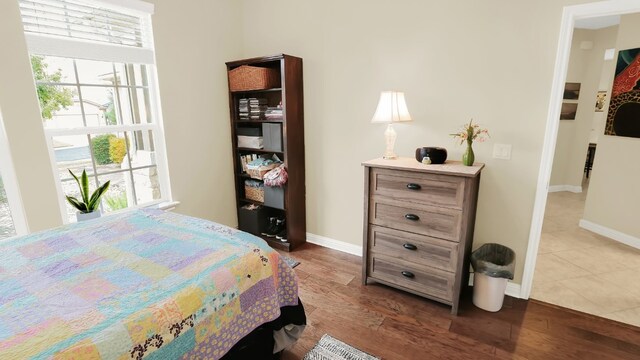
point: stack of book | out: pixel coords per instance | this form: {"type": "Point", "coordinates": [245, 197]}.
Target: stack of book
{"type": "Point", "coordinates": [257, 108]}
{"type": "Point", "coordinates": [246, 159]}
{"type": "Point", "coordinates": [243, 109]}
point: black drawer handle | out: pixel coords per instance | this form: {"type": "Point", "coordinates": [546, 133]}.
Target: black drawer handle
{"type": "Point", "coordinates": [410, 247]}
{"type": "Point", "coordinates": [412, 217]}
{"type": "Point", "coordinates": [408, 274]}
{"type": "Point", "coordinates": [412, 186]}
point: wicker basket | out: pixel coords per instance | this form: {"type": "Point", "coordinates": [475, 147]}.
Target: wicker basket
{"type": "Point", "coordinates": [246, 77]}
{"type": "Point", "coordinates": [257, 172]}
{"type": "Point", "coordinates": [254, 193]}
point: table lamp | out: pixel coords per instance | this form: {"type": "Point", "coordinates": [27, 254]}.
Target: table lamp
{"type": "Point", "coordinates": [391, 109]}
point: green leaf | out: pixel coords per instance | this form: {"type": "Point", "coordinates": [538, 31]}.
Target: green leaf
{"type": "Point", "coordinates": [95, 198]}
{"type": "Point", "coordinates": [84, 189]}
{"type": "Point", "coordinates": [77, 204]}
{"type": "Point", "coordinates": [74, 176]}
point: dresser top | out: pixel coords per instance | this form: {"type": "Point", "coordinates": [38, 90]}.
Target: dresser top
{"type": "Point", "coordinates": [450, 167]}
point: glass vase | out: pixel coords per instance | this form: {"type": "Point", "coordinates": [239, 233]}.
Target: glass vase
{"type": "Point", "coordinates": [468, 157]}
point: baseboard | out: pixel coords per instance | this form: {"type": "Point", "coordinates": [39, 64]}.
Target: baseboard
{"type": "Point", "coordinates": [610, 233]}
{"type": "Point", "coordinates": [570, 188]}
{"type": "Point", "coordinates": [335, 244]}
{"type": "Point", "coordinates": [513, 289]}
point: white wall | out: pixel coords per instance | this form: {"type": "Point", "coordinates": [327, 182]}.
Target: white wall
{"type": "Point", "coordinates": [613, 200]}
{"type": "Point", "coordinates": [491, 60]}
{"type": "Point", "coordinates": [585, 67]}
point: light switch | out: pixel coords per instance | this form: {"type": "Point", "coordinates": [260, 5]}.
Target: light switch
{"type": "Point", "coordinates": [502, 151]}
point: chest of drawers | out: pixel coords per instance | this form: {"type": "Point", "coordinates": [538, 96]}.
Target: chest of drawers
{"type": "Point", "coordinates": [418, 226]}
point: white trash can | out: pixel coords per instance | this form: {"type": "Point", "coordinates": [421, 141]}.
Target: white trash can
{"type": "Point", "coordinates": [493, 265]}
{"type": "Point", "coordinates": [488, 292]}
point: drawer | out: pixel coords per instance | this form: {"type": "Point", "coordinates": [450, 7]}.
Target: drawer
{"type": "Point", "coordinates": [415, 248]}
{"type": "Point", "coordinates": [422, 219]}
{"type": "Point", "coordinates": [433, 282]}
{"type": "Point", "coordinates": [433, 189]}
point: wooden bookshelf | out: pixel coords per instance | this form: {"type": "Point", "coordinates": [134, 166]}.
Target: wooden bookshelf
{"type": "Point", "coordinates": [290, 93]}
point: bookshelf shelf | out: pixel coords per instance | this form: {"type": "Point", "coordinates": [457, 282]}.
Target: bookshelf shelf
{"type": "Point", "coordinates": [290, 97]}
{"type": "Point", "coordinates": [259, 151]}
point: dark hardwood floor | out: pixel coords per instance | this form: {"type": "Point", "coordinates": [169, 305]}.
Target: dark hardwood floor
{"type": "Point", "coordinates": [392, 324]}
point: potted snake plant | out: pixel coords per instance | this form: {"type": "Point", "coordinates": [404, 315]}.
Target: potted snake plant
{"type": "Point", "coordinates": [88, 206]}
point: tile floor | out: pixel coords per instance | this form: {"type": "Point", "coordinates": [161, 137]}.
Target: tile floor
{"type": "Point", "coordinates": [584, 271]}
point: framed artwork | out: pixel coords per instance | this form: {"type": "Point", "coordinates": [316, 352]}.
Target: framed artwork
{"type": "Point", "coordinates": [601, 99]}
{"type": "Point", "coordinates": [570, 101]}
{"type": "Point", "coordinates": [568, 111]}
{"type": "Point", "coordinates": [623, 118]}
{"type": "Point", "coordinates": [571, 91]}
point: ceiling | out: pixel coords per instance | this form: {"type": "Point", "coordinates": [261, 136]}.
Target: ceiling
{"type": "Point", "coordinates": [598, 22]}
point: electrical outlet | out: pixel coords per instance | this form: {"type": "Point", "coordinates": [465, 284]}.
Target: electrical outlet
{"type": "Point", "coordinates": [502, 151]}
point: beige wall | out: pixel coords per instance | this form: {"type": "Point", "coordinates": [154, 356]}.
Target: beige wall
{"type": "Point", "coordinates": [23, 124]}
{"type": "Point", "coordinates": [192, 44]}
{"type": "Point", "coordinates": [490, 60]}
{"type": "Point", "coordinates": [613, 200]}
{"type": "Point", "coordinates": [585, 67]}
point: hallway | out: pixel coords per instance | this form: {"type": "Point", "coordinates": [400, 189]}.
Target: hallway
{"type": "Point", "coordinates": [581, 270]}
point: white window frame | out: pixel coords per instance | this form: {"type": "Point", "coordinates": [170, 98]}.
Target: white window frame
{"type": "Point", "coordinates": [47, 45]}
{"type": "Point", "coordinates": [11, 188]}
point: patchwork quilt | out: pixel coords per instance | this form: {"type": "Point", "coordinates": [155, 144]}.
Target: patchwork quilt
{"type": "Point", "coordinates": [143, 284]}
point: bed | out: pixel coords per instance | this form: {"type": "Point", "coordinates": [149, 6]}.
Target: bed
{"type": "Point", "coordinates": [145, 284]}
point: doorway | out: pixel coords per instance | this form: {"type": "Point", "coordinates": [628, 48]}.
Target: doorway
{"type": "Point", "coordinates": [571, 15]}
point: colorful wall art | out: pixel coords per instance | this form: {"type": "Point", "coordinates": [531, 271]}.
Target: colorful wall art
{"type": "Point", "coordinates": [623, 118]}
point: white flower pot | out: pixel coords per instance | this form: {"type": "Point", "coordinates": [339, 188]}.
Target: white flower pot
{"type": "Point", "coordinates": [80, 216]}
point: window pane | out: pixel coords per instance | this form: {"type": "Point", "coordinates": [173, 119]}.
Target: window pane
{"type": "Point", "coordinates": [138, 75]}
{"type": "Point", "coordinates": [53, 69]}
{"type": "Point", "coordinates": [135, 105]}
{"type": "Point", "coordinates": [7, 228]}
{"type": "Point", "coordinates": [142, 148]}
{"type": "Point", "coordinates": [72, 153]}
{"type": "Point", "coordinates": [121, 74]}
{"type": "Point", "coordinates": [70, 188]}
{"type": "Point", "coordinates": [109, 152]}
{"type": "Point", "coordinates": [100, 105]}
{"type": "Point", "coordinates": [59, 106]}
{"type": "Point", "coordinates": [120, 193]}
{"type": "Point", "coordinates": [95, 72]}
{"type": "Point", "coordinates": [147, 185]}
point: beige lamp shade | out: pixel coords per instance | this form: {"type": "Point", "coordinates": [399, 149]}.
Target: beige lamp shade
{"type": "Point", "coordinates": [391, 108]}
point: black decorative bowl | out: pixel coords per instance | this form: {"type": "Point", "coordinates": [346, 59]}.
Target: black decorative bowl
{"type": "Point", "coordinates": [437, 155]}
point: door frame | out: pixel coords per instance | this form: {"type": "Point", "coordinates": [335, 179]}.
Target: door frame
{"type": "Point", "coordinates": [569, 16]}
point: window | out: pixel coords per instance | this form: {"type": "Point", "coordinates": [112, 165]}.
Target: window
{"type": "Point", "coordinates": [95, 79]}
{"type": "Point", "coordinates": [7, 226]}
{"type": "Point", "coordinates": [11, 221]}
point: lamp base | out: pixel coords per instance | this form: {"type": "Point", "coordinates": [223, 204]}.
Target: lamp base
{"type": "Point", "coordinates": [390, 140]}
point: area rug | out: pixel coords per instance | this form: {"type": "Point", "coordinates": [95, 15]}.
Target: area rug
{"type": "Point", "coordinates": [291, 261]}
{"type": "Point", "coordinates": [329, 348]}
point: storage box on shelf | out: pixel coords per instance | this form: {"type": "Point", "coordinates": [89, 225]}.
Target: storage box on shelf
{"type": "Point", "coordinates": [246, 78]}
{"type": "Point", "coordinates": [255, 219]}
{"type": "Point", "coordinates": [272, 136]}
{"type": "Point", "coordinates": [266, 94]}
{"type": "Point", "coordinates": [258, 171]}
{"type": "Point", "coordinates": [274, 197]}
{"type": "Point", "coordinates": [254, 190]}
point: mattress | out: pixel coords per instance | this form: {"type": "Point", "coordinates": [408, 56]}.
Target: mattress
{"type": "Point", "coordinates": [142, 284]}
